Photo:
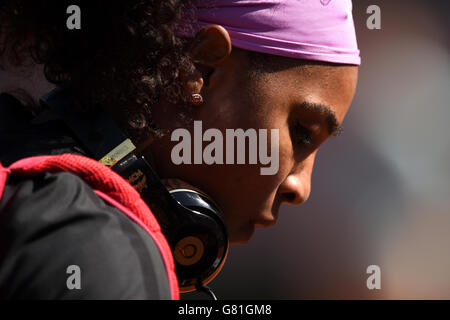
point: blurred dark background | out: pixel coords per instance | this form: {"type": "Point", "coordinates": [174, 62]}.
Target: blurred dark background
{"type": "Point", "coordinates": [381, 190]}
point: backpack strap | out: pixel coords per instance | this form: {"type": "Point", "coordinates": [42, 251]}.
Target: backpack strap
{"type": "Point", "coordinates": [4, 172]}
{"type": "Point", "coordinates": [109, 186]}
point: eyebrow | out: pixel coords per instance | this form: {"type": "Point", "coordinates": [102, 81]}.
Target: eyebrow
{"type": "Point", "coordinates": [324, 111]}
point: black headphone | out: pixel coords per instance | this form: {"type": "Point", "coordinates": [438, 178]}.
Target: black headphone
{"type": "Point", "coordinates": [190, 221]}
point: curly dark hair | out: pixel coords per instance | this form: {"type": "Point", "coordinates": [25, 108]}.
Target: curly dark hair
{"type": "Point", "coordinates": [125, 57]}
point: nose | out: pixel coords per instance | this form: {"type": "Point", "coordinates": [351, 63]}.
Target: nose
{"type": "Point", "coordinates": [296, 187]}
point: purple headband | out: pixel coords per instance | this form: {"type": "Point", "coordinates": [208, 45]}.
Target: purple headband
{"type": "Point", "coordinates": [303, 29]}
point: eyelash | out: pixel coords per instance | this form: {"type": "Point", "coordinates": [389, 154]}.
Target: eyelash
{"type": "Point", "coordinates": [302, 135]}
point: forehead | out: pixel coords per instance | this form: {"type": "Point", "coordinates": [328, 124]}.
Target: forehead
{"type": "Point", "coordinates": [328, 84]}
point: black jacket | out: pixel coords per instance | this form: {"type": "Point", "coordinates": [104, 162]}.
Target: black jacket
{"type": "Point", "coordinates": [54, 220]}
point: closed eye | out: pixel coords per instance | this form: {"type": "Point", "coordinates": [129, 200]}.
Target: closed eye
{"type": "Point", "coordinates": [301, 135]}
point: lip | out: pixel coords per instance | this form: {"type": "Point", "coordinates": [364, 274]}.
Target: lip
{"type": "Point", "coordinates": [267, 221]}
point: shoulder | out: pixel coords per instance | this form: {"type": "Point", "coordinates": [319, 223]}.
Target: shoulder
{"type": "Point", "coordinates": [27, 135]}
{"type": "Point", "coordinates": [53, 221]}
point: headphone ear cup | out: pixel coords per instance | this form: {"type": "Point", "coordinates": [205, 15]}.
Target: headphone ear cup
{"type": "Point", "coordinates": [200, 243]}
{"type": "Point", "coordinates": [190, 221]}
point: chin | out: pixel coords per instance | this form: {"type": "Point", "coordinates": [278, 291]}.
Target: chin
{"type": "Point", "coordinates": [242, 235]}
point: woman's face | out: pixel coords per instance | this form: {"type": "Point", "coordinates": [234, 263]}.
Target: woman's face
{"type": "Point", "coordinates": [306, 105]}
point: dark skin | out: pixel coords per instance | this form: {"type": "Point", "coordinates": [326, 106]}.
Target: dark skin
{"type": "Point", "coordinates": [306, 104]}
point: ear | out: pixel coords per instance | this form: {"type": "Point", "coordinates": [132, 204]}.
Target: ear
{"type": "Point", "coordinates": [210, 46]}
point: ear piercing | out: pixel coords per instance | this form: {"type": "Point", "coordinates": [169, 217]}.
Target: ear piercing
{"type": "Point", "coordinates": [196, 98]}
{"type": "Point", "coordinates": [138, 121]}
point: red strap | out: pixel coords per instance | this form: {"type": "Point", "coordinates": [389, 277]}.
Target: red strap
{"type": "Point", "coordinates": [3, 176]}
{"type": "Point", "coordinates": [108, 185]}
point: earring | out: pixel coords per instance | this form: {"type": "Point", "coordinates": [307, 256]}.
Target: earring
{"type": "Point", "coordinates": [138, 121]}
{"type": "Point", "coordinates": [196, 98]}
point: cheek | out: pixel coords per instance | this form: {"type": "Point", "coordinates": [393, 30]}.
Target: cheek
{"type": "Point", "coordinates": [240, 190]}
{"type": "Point", "coordinates": [248, 193]}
